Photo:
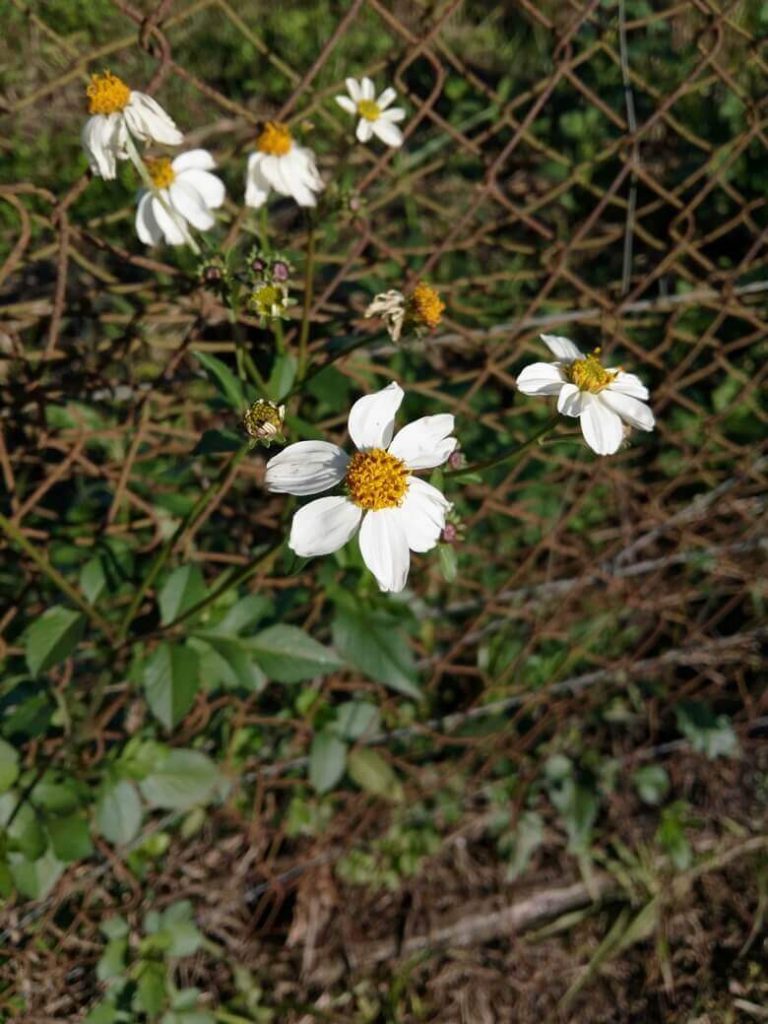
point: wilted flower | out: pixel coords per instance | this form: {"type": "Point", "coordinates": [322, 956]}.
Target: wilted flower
{"type": "Point", "coordinates": [421, 310]}
{"type": "Point", "coordinates": [184, 192]}
{"type": "Point", "coordinates": [377, 117]}
{"type": "Point", "coordinates": [602, 398]}
{"type": "Point", "coordinates": [282, 165]}
{"type": "Point", "coordinates": [395, 511]}
{"type": "Point", "coordinates": [118, 111]}
{"type": "Point", "coordinates": [264, 420]}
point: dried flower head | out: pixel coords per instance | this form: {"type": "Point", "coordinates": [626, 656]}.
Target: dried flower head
{"type": "Point", "coordinates": [422, 310]}
{"type": "Point", "coordinates": [263, 421]}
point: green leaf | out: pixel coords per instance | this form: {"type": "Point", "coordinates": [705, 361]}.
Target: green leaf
{"type": "Point", "coordinates": [327, 758]}
{"type": "Point", "coordinates": [282, 377]}
{"type": "Point", "coordinates": [93, 579]}
{"type": "Point", "coordinates": [183, 589]}
{"type": "Point", "coordinates": [112, 961]}
{"type": "Point", "coordinates": [227, 383]}
{"type": "Point", "coordinates": [118, 812]}
{"type": "Point", "coordinates": [708, 734]}
{"type": "Point", "coordinates": [377, 647]}
{"type": "Point", "coordinates": [214, 441]}
{"type": "Point", "coordinates": [35, 878]}
{"type": "Point", "coordinates": [171, 680]}
{"type": "Point", "coordinates": [651, 782]}
{"type": "Point", "coordinates": [52, 637]}
{"type": "Point", "coordinates": [9, 766]}
{"type": "Point", "coordinates": [177, 923]}
{"type": "Point", "coordinates": [288, 654]}
{"type": "Point", "coordinates": [227, 661]}
{"type": "Point", "coordinates": [446, 555]}
{"type": "Point", "coordinates": [372, 773]}
{"type": "Point", "coordinates": [184, 779]}
{"type": "Point", "coordinates": [356, 718]}
{"type": "Point", "coordinates": [25, 832]}
{"type": "Point", "coordinates": [527, 838]}
{"type": "Point", "coordinates": [151, 994]}
{"type": "Point", "coordinates": [245, 613]}
{"type": "Point", "coordinates": [70, 838]}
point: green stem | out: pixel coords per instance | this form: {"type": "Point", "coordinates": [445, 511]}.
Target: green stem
{"type": "Point", "coordinates": [329, 362]}
{"type": "Point", "coordinates": [309, 280]}
{"type": "Point", "coordinates": [497, 460]}
{"type": "Point", "coordinates": [162, 556]}
{"type": "Point", "coordinates": [53, 574]}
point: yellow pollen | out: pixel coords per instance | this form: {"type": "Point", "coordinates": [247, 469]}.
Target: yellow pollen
{"type": "Point", "coordinates": [161, 172]}
{"type": "Point", "coordinates": [425, 306]}
{"type": "Point", "coordinates": [589, 374]}
{"type": "Point", "coordinates": [275, 140]}
{"type": "Point", "coordinates": [375, 479]}
{"type": "Point", "coordinates": [369, 110]}
{"type": "Point", "coordinates": [107, 94]}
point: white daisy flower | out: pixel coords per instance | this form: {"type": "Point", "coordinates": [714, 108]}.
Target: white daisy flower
{"type": "Point", "coordinates": [603, 398]}
{"type": "Point", "coordinates": [377, 117]}
{"type": "Point", "coordinates": [395, 511]}
{"type": "Point", "coordinates": [117, 113]}
{"type": "Point", "coordinates": [282, 165]}
{"type": "Point", "coordinates": [185, 192]}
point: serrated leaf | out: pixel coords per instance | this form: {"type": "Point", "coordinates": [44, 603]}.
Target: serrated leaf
{"type": "Point", "coordinates": [372, 773]}
{"type": "Point", "coordinates": [52, 637]}
{"type": "Point", "coordinates": [378, 648]}
{"type": "Point", "coordinates": [184, 779]}
{"type": "Point", "coordinates": [227, 383]}
{"type": "Point", "coordinates": [9, 766]}
{"type": "Point", "coordinates": [183, 589]}
{"type": "Point", "coordinates": [288, 654]}
{"type": "Point", "coordinates": [327, 760]}
{"type": "Point", "coordinates": [171, 680]}
{"type": "Point", "coordinates": [118, 812]}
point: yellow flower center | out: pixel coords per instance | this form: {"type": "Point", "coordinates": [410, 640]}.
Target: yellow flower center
{"type": "Point", "coordinates": [368, 109]}
{"type": "Point", "coordinates": [589, 374]}
{"type": "Point", "coordinates": [275, 140]}
{"type": "Point", "coordinates": [161, 172]}
{"type": "Point", "coordinates": [107, 94]}
{"type": "Point", "coordinates": [425, 306]}
{"type": "Point", "coordinates": [375, 479]}
{"type": "Point", "coordinates": [269, 300]}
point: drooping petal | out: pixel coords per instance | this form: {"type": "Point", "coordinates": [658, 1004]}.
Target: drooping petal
{"type": "Point", "coordinates": [388, 96]}
{"type": "Point", "coordinates": [423, 514]}
{"type": "Point", "coordinates": [193, 160]}
{"type": "Point", "coordinates": [388, 132]}
{"type": "Point", "coordinates": [562, 348]}
{"type": "Point", "coordinates": [190, 204]}
{"type": "Point", "coordinates": [292, 177]}
{"type": "Point", "coordinates": [629, 384]}
{"type": "Point", "coordinates": [208, 185]}
{"type": "Point", "coordinates": [147, 227]}
{"type": "Point", "coordinates": [364, 130]}
{"type": "Point", "coordinates": [540, 379]}
{"type": "Point", "coordinates": [631, 410]}
{"type": "Point", "coordinates": [425, 443]}
{"type": "Point", "coordinates": [306, 467]}
{"type": "Point", "coordinates": [324, 525]}
{"type": "Point", "coordinates": [367, 89]}
{"type": "Point", "coordinates": [600, 426]}
{"type": "Point", "coordinates": [347, 104]}
{"type": "Point", "coordinates": [99, 137]}
{"type": "Point", "coordinates": [384, 548]}
{"type": "Point", "coordinates": [571, 401]}
{"type": "Point", "coordinates": [148, 121]}
{"type": "Point", "coordinates": [353, 88]}
{"type": "Point", "coordinates": [168, 220]}
{"type": "Point", "coordinates": [256, 185]}
{"type": "Point", "coordinates": [372, 417]}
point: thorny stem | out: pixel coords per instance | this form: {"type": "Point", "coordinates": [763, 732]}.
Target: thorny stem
{"type": "Point", "coordinates": [53, 574]}
{"type": "Point", "coordinates": [497, 460]}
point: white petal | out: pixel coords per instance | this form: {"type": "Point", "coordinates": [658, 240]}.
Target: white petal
{"type": "Point", "coordinates": [364, 130]}
{"type": "Point", "coordinates": [384, 548]}
{"type": "Point", "coordinates": [631, 410]}
{"type": "Point", "coordinates": [388, 96]}
{"type": "Point", "coordinates": [170, 223]}
{"type": "Point", "coordinates": [562, 348]}
{"type": "Point", "coordinates": [324, 525]}
{"type": "Point", "coordinates": [147, 227]}
{"type": "Point", "coordinates": [297, 179]}
{"type": "Point", "coordinates": [347, 104]}
{"type": "Point", "coordinates": [629, 384]}
{"type": "Point", "coordinates": [306, 467]}
{"type": "Point", "coordinates": [191, 205]}
{"type": "Point", "coordinates": [540, 379]}
{"type": "Point", "coordinates": [372, 417]}
{"type": "Point", "coordinates": [256, 185]}
{"type": "Point", "coordinates": [388, 132]}
{"type": "Point", "coordinates": [208, 185]}
{"type": "Point", "coordinates": [353, 88]}
{"type": "Point", "coordinates": [148, 121]}
{"type": "Point", "coordinates": [393, 114]}
{"type": "Point", "coordinates": [99, 136]}
{"type": "Point", "coordinates": [601, 427]}
{"type": "Point", "coordinates": [423, 514]}
{"type": "Point", "coordinates": [193, 160]}
{"type": "Point", "coordinates": [425, 443]}
{"type": "Point", "coordinates": [367, 89]}
{"type": "Point", "coordinates": [571, 401]}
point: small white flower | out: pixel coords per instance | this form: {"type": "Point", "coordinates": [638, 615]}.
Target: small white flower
{"type": "Point", "coordinates": [117, 112]}
{"type": "Point", "coordinates": [185, 192]}
{"type": "Point", "coordinates": [602, 398]}
{"type": "Point", "coordinates": [377, 117]}
{"type": "Point", "coordinates": [395, 511]}
{"type": "Point", "coordinates": [280, 164]}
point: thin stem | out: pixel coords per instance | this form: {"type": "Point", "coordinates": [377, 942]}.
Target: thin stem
{"type": "Point", "coordinates": [53, 574]}
{"type": "Point", "coordinates": [497, 460]}
{"type": "Point", "coordinates": [309, 279]}
{"type": "Point", "coordinates": [329, 362]}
